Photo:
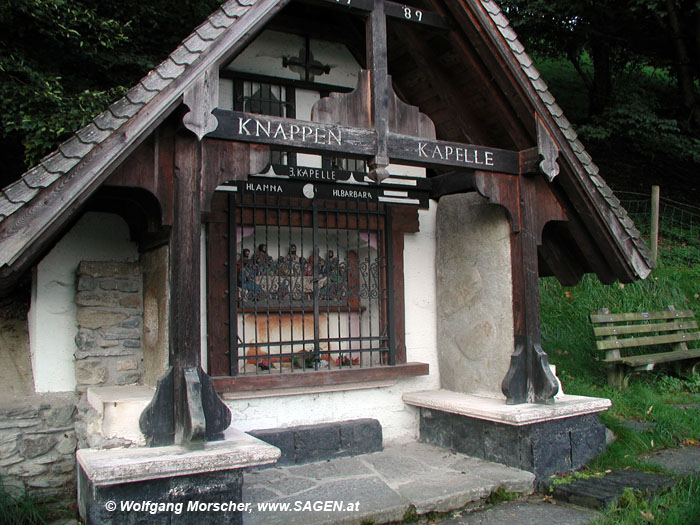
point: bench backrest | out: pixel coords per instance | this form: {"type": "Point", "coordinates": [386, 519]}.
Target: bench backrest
{"type": "Point", "coordinates": [628, 330]}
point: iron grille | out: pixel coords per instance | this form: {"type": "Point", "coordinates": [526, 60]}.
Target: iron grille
{"type": "Point", "coordinates": [312, 284]}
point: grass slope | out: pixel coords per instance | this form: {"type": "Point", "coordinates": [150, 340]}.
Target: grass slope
{"type": "Point", "coordinates": [652, 397]}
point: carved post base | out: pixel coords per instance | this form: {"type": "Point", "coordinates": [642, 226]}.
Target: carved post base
{"type": "Point", "coordinates": [529, 378]}
{"type": "Point", "coordinates": [201, 416]}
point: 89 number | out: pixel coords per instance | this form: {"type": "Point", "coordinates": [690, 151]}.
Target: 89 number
{"type": "Point", "coordinates": [409, 13]}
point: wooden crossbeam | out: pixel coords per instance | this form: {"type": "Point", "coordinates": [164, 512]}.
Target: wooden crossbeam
{"type": "Point", "coordinates": [314, 137]}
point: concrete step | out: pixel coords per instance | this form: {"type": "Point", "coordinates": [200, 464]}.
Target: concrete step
{"type": "Point", "coordinates": [380, 487]}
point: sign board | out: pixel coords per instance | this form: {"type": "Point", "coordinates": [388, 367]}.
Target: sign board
{"type": "Point", "coordinates": [299, 135]}
{"type": "Point", "coordinates": [315, 137]}
{"type": "Point", "coordinates": [308, 190]}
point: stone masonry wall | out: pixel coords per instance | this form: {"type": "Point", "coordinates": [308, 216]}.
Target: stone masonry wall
{"type": "Point", "coordinates": [37, 446]}
{"type": "Point", "coordinates": [110, 317]}
{"type": "Point", "coordinates": [109, 340]}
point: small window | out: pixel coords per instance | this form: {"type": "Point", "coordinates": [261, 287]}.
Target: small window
{"type": "Point", "coordinates": [266, 99]}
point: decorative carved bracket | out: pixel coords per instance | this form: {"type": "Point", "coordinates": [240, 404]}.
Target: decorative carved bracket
{"type": "Point", "coordinates": [548, 150]}
{"type": "Point", "coordinates": [202, 98]}
{"type": "Point", "coordinates": [353, 109]}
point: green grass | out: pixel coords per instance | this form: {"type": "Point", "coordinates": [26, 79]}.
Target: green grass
{"type": "Point", "coordinates": [651, 397]}
{"type": "Point", "coordinates": [680, 506]}
{"type": "Point", "coordinates": [20, 509]}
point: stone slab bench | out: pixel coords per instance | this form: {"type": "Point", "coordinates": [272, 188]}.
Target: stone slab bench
{"type": "Point", "coordinates": [542, 439]}
{"type": "Point", "coordinates": [618, 334]}
{"type": "Point", "coordinates": [148, 485]}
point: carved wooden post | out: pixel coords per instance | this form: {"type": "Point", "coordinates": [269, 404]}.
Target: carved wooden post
{"type": "Point", "coordinates": [530, 204]}
{"type": "Point", "coordinates": [377, 63]}
{"type": "Point", "coordinates": [529, 378]}
{"type": "Point", "coordinates": [185, 408]}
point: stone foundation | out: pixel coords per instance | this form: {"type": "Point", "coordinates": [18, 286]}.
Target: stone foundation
{"type": "Point", "coordinates": [545, 448]}
{"type": "Point", "coordinates": [170, 484]}
{"type": "Point", "coordinates": [37, 446]}
{"type": "Point", "coordinates": [170, 500]}
{"type": "Point", "coordinates": [306, 443]}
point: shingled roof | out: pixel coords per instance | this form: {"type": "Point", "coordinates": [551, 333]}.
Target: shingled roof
{"type": "Point", "coordinates": [34, 208]}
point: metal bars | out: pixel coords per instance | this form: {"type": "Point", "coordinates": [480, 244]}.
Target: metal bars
{"type": "Point", "coordinates": [312, 284]}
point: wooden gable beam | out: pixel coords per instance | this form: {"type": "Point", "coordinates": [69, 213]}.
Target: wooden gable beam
{"type": "Point", "coordinates": [442, 84]}
{"type": "Point", "coordinates": [476, 55]}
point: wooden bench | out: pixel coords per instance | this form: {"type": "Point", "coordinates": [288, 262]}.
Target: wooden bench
{"type": "Point", "coordinates": [617, 334]}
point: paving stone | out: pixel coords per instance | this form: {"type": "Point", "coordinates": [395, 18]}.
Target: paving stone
{"type": "Point", "coordinates": [400, 464]}
{"type": "Point", "coordinates": [332, 469]}
{"type": "Point", "coordinates": [290, 485]}
{"type": "Point", "coordinates": [256, 494]}
{"type": "Point", "coordinates": [598, 493]}
{"type": "Point", "coordinates": [385, 483]}
{"type": "Point", "coordinates": [377, 502]}
{"type": "Point", "coordinates": [512, 479]}
{"type": "Point", "coordinates": [680, 461]}
{"type": "Point", "coordinates": [449, 491]}
{"type": "Point", "coordinates": [524, 513]}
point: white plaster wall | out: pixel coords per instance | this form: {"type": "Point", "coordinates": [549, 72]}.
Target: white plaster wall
{"type": "Point", "coordinates": [399, 421]}
{"type": "Point", "coordinates": [264, 57]}
{"type": "Point", "coordinates": [52, 326]}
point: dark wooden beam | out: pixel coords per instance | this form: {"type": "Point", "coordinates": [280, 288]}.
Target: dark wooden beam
{"type": "Point", "coordinates": [478, 56]}
{"type": "Point", "coordinates": [379, 82]}
{"type": "Point", "coordinates": [319, 378]}
{"type": "Point", "coordinates": [530, 205]}
{"type": "Point", "coordinates": [394, 10]}
{"type": "Point", "coordinates": [451, 183]}
{"type": "Point", "coordinates": [441, 84]}
{"type": "Point", "coordinates": [185, 408]}
{"type": "Point", "coordinates": [313, 137]}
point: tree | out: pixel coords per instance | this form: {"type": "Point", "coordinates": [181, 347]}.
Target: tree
{"type": "Point", "coordinates": [63, 61]}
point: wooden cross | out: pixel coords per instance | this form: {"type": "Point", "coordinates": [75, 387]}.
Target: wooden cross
{"type": "Point", "coordinates": [305, 63]}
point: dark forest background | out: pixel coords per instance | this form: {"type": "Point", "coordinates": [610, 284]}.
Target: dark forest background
{"type": "Point", "coordinates": [626, 73]}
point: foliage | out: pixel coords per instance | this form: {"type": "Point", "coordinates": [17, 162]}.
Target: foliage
{"type": "Point", "coordinates": [501, 495]}
{"type": "Point", "coordinates": [19, 509]}
{"type": "Point", "coordinates": [61, 62]}
{"type": "Point", "coordinates": [626, 73]}
{"type": "Point", "coordinates": [679, 506]}
{"type": "Point", "coordinates": [656, 398]}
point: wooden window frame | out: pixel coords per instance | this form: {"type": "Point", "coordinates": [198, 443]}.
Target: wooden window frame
{"type": "Point", "coordinates": [403, 219]}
